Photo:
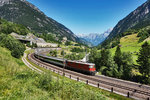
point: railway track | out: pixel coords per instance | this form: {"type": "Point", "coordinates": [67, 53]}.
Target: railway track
{"type": "Point", "coordinates": [125, 88]}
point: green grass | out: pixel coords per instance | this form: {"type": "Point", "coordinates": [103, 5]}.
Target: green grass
{"type": "Point", "coordinates": [16, 79]}
{"type": "Point", "coordinates": [29, 51]}
{"type": "Point", "coordinates": [129, 43]}
{"type": "Point", "coordinates": [18, 82]}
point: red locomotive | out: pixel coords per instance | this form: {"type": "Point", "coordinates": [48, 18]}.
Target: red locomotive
{"type": "Point", "coordinates": [87, 68]}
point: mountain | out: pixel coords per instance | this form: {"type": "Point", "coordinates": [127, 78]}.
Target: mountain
{"type": "Point", "coordinates": [25, 13]}
{"type": "Point", "coordinates": [84, 41]}
{"type": "Point", "coordinates": [95, 38]}
{"type": "Point", "coordinates": [137, 19]}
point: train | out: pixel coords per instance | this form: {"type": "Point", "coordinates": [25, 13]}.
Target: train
{"type": "Point", "coordinates": [82, 67]}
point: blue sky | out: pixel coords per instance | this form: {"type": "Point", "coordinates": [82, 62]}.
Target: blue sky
{"type": "Point", "coordinates": [87, 16]}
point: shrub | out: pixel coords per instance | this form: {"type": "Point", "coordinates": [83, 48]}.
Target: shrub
{"type": "Point", "coordinates": [77, 50]}
{"type": "Point", "coordinates": [143, 35]}
{"type": "Point", "coordinates": [17, 48]}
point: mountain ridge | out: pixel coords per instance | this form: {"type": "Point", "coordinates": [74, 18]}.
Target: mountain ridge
{"type": "Point", "coordinates": [136, 20]}
{"type": "Point", "coordinates": [131, 19]}
{"type": "Point", "coordinates": [27, 14]}
{"type": "Point", "coordinates": [95, 38]}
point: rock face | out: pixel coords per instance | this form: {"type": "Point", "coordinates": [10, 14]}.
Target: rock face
{"type": "Point", "coordinates": [95, 38]}
{"type": "Point", "coordinates": [139, 18]}
{"type": "Point", "coordinates": [2, 2]}
{"type": "Point", "coordinates": [23, 12]}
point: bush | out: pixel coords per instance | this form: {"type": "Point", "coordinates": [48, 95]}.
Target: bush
{"type": "Point", "coordinates": [45, 82]}
{"type": "Point", "coordinates": [143, 35]}
{"type": "Point", "coordinates": [75, 56]}
{"type": "Point", "coordinates": [53, 53]}
{"type": "Point", "coordinates": [68, 43]}
{"type": "Point", "coordinates": [9, 27]}
{"type": "Point", "coordinates": [15, 53]}
{"type": "Point", "coordinates": [77, 50]}
{"type": "Point", "coordinates": [17, 48]}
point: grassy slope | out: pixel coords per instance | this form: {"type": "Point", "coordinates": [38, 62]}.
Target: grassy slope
{"type": "Point", "coordinates": [129, 43]}
{"type": "Point", "coordinates": [16, 79]}
{"type": "Point", "coordinates": [17, 82]}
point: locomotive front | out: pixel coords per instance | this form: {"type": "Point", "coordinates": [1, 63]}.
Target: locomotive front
{"type": "Point", "coordinates": [92, 69]}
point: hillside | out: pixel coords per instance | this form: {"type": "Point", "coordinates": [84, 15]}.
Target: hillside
{"type": "Point", "coordinates": [129, 43]}
{"type": "Point", "coordinates": [139, 18]}
{"type": "Point", "coordinates": [23, 12]}
{"type": "Point", "coordinates": [7, 27]}
{"type": "Point", "coordinates": [136, 20]}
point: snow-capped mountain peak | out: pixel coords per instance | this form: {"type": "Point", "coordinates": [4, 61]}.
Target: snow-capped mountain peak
{"type": "Point", "coordinates": [95, 38]}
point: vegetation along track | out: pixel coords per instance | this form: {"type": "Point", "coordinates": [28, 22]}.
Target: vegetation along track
{"type": "Point", "coordinates": [126, 88]}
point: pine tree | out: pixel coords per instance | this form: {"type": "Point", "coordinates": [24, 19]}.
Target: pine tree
{"type": "Point", "coordinates": [144, 60]}
{"type": "Point", "coordinates": [127, 63]}
{"type": "Point", "coordinates": [94, 57]}
{"type": "Point", "coordinates": [107, 64]}
{"type": "Point", "coordinates": [117, 57]}
{"type": "Point", "coordinates": [105, 55]}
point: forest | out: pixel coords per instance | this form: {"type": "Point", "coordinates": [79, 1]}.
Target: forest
{"type": "Point", "coordinates": [121, 65]}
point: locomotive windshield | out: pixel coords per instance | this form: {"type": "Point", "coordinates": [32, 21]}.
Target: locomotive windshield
{"type": "Point", "coordinates": [91, 66]}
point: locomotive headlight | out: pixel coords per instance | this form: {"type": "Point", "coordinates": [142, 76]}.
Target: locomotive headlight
{"type": "Point", "coordinates": [91, 66]}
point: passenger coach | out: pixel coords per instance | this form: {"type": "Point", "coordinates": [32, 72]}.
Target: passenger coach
{"type": "Point", "coordinates": [86, 68]}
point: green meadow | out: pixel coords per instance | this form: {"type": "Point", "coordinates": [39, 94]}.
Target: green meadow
{"type": "Point", "coordinates": [130, 44]}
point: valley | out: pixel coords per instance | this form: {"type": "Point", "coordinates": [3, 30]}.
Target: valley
{"type": "Point", "coordinates": [35, 49]}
